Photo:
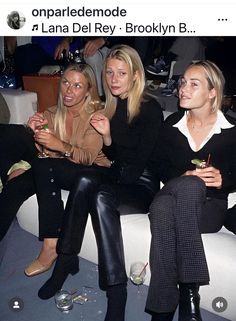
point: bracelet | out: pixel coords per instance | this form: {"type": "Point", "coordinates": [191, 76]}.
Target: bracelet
{"type": "Point", "coordinates": [68, 148]}
{"type": "Point", "coordinates": [67, 154]}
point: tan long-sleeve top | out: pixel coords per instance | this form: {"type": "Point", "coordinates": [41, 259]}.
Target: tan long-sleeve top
{"type": "Point", "coordinates": [86, 142]}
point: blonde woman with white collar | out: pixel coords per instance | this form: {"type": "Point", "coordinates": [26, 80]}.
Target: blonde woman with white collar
{"type": "Point", "coordinates": [198, 166]}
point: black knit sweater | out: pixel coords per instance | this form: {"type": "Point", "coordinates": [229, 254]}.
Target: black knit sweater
{"type": "Point", "coordinates": [133, 144]}
{"type": "Point", "coordinates": [175, 155]}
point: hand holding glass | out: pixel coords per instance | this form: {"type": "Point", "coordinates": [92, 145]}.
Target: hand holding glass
{"type": "Point", "coordinates": [43, 153]}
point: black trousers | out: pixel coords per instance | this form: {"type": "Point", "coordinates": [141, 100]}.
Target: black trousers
{"type": "Point", "coordinates": [51, 175]}
{"type": "Point", "coordinates": [96, 193]}
{"type": "Point", "coordinates": [15, 144]}
{"type": "Point", "coordinates": [179, 213]}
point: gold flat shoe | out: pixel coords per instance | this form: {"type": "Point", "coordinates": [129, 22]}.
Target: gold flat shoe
{"type": "Point", "coordinates": [36, 268]}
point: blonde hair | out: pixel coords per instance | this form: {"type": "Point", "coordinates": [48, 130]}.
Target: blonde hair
{"type": "Point", "coordinates": [136, 87]}
{"type": "Point", "coordinates": [215, 80]}
{"type": "Point", "coordinates": [92, 101]}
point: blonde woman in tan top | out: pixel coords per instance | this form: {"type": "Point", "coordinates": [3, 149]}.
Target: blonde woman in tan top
{"type": "Point", "coordinates": [70, 144]}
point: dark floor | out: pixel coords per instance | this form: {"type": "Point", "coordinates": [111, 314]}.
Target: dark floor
{"type": "Point", "coordinates": [22, 247]}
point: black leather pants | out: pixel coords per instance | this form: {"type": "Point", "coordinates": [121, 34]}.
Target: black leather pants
{"type": "Point", "coordinates": [94, 192]}
{"type": "Point", "coordinates": [52, 175]}
{"type": "Point", "coordinates": [78, 207]}
{"type": "Point", "coordinates": [109, 203]}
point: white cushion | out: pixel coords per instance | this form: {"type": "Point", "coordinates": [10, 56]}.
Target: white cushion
{"type": "Point", "coordinates": [21, 103]}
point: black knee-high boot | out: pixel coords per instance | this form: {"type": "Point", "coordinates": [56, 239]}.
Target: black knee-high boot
{"type": "Point", "coordinates": [117, 297]}
{"type": "Point", "coordinates": [65, 265]}
{"type": "Point", "coordinates": [189, 302]}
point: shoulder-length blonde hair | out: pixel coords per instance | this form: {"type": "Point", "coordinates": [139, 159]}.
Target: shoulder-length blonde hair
{"type": "Point", "coordinates": [136, 87]}
{"type": "Point", "coordinates": [215, 80]}
{"type": "Point", "coordinates": [92, 101]}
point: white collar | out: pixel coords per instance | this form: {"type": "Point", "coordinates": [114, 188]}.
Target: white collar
{"type": "Point", "coordinates": [221, 123]}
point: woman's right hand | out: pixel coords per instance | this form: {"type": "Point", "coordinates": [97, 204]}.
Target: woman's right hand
{"type": "Point", "coordinates": [102, 125]}
{"type": "Point", "coordinates": [210, 175]}
{"type": "Point", "coordinates": [36, 121]}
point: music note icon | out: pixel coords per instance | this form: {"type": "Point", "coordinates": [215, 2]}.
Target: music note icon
{"type": "Point", "coordinates": [35, 28]}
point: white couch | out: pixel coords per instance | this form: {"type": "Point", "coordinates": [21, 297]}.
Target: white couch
{"type": "Point", "coordinates": [220, 251]}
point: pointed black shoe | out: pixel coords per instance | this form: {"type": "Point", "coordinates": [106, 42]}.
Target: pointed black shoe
{"type": "Point", "coordinates": [65, 265]}
{"type": "Point", "coordinates": [189, 302]}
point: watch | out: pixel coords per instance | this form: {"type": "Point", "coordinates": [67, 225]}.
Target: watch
{"type": "Point", "coordinates": [67, 154]}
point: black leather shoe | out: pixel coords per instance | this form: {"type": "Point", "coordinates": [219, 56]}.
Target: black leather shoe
{"type": "Point", "coordinates": [189, 302]}
{"type": "Point", "coordinates": [65, 265]}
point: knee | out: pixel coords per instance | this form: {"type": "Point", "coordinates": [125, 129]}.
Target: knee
{"type": "Point", "coordinates": [189, 185]}
{"type": "Point", "coordinates": [86, 182]}
{"type": "Point", "coordinates": [105, 202]}
{"type": "Point", "coordinates": [194, 185]}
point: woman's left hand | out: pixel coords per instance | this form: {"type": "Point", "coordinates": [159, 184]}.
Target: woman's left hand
{"type": "Point", "coordinates": [102, 125]}
{"type": "Point", "coordinates": [210, 175]}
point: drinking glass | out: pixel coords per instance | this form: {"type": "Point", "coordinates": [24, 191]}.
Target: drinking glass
{"type": "Point", "coordinates": [43, 153]}
{"type": "Point", "coordinates": [64, 301]}
{"type": "Point", "coordinates": [138, 272]}
{"type": "Point", "coordinates": [202, 163]}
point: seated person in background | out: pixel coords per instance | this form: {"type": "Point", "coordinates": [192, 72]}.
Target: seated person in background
{"type": "Point", "coordinates": [55, 51]}
{"type": "Point", "coordinates": [194, 197]}
{"type": "Point", "coordinates": [184, 51]}
{"type": "Point", "coordinates": [30, 57]}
